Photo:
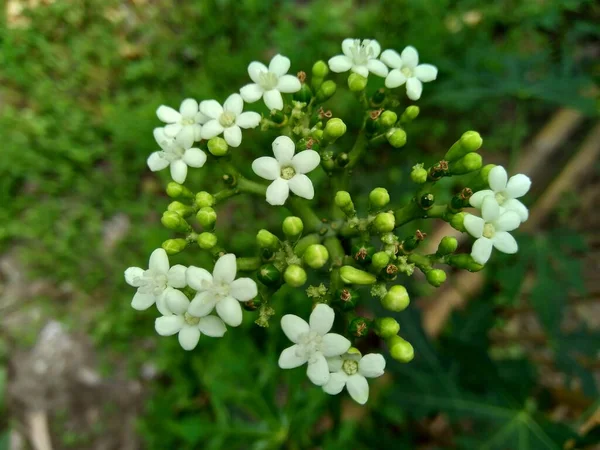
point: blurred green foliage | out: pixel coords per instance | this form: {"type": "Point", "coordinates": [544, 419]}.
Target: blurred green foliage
{"type": "Point", "coordinates": [79, 85]}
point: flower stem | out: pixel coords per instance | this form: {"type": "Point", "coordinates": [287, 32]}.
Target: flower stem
{"type": "Point", "coordinates": [301, 209]}
{"type": "Point", "coordinates": [248, 264]}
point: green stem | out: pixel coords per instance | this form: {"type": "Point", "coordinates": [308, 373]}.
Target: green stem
{"type": "Point", "coordinates": [408, 213]}
{"type": "Point", "coordinates": [248, 264]}
{"type": "Point", "coordinates": [301, 209]}
{"type": "Point", "coordinates": [358, 150]}
{"type": "Point", "coordinates": [421, 261]}
{"type": "Point", "coordinates": [251, 187]}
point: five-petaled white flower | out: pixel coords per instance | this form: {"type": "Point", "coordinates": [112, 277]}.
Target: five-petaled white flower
{"type": "Point", "coordinates": [187, 121]}
{"type": "Point", "coordinates": [270, 82]}
{"type": "Point", "coordinates": [312, 343]}
{"type": "Point", "coordinates": [220, 290]}
{"type": "Point", "coordinates": [491, 230]}
{"type": "Point", "coordinates": [406, 69]}
{"type": "Point", "coordinates": [227, 119]}
{"type": "Point", "coordinates": [155, 285]}
{"type": "Point", "coordinates": [287, 171]}
{"type": "Point", "coordinates": [177, 153]}
{"type": "Point", "coordinates": [505, 191]}
{"type": "Point", "coordinates": [351, 370]}
{"type": "Point", "coordinates": [360, 57]}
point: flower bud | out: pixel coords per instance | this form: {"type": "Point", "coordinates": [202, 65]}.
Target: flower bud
{"type": "Point", "coordinates": [203, 199]}
{"type": "Point", "coordinates": [292, 227]}
{"type": "Point", "coordinates": [294, 275]}
{"type": "Point", "coordinates": [380, 260]}
{"type": "Point", "coordinates": [351, 275]}
{"type": "Point", "coordinates": [396, 137]}
{"type": "Point", "coordinates": [306, 242]}
{"type": "Point", "coordinates": [320, 69]}
{"type": "Point", "coordinates": [326, 91]}
{"type": "Point", "coordinates": [418, 174]}
{"type": "Point", "coordinates": [469, 142]}
{"type": "Point", "coordinates": [436, 277]}
{"type": "Point", "coordinates": [346, 299]}
{"type": "Point", "coordinates": [457, 221]}
{"type": "Point", "coordinates": [269, 275]}
{"type": "Point", "coordinates": [180, 208]}
{"type": "Point", "coordinates": [174, 221]}
{"type": "Point", "coordinates": [334, 128]}
{"type": "Point", "coordinates": [386, 327]}
{"type": "Point", "coordinates": [448, 245]}
{"type": "Point", "coordinates": [316, 256]}
{"type": "Point", "coordinates": [387, 119]}
{"type": "Point", "coordinates": [266, 239]}
{"type": "Point", "coordinates": [359, 327]}
{"type": "Point", "coordinates": [174, 246]}
{"type": "Point", "coordinates": [362, 253]}
{"type": "Point", "coordinates": [384, 222]}
{"type": "Point", "coordinates": [464, 261]}
{"type": "Point", "coordinates": [303, 95]}
{"type": "Point", "coordinates": [468, 163]}
{"type": "Point", "coordinates": [344, 202]}
{"type": "Point", "coordinates": [396, 299]}
{"type": "Point", "coordinates": [356, 82]}
{"type": "Point", "coordinates": [207, 240]}
{"type": "Point", "coordinates": [485, 171]}
{"type": "Point", "coordinates": [176, 190]}
{"type": "Point", "coordinates": [409, 114]}
{"type": "Point", "coordinates": [400, 349]}
{"type": "Point", "coordinates": [426, 201]}
{"type": "Point", "coordinates": [217, 146]}
{"type": "Point", "coordinates": [206, 217]}
{"type": "Point", "coordinates": [379, 198]}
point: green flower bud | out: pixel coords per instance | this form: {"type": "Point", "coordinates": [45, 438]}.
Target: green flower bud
{"type": "Point", "coordinates": [359, 327]}
{"type": "Point", "coordinates": [204, 199]}
{"type": "Point", "coordinates": [457, 221]}
{"type": "Point", "coordinates": [418, 174]}
{"type": "Point", "coordinates": [269, 275]}
{"type": "Point", "coordinates": [174, 246]}
{"type": "Point", "coordinates": [384, 222]}
{"type": "Point", "coordinates": [217, 146]}
{"type": "Point", "coordinates": [469, 142]}
{"type": "Point", "coordinates": [351, 275]}
{"type": "Point", "coordinates": [448, 245]}
{"type": "Point", "coordinates": [326, 91]}
{"type": "Point", "coordinates": [346, 299]}
{"type": "Point", "coordinates": [409, 114]}
{"type": "Point", "coordinates": [180, 208]}
{"type": "Point", "coordinates": [206, 217]}
{"type": "Point", "coordinates": [400, 349]}
{"type": "Point", "coordinates": [485, 171]}
{"type": "Point", "coordinates": [362, 253]}
{"type": "Point", "coordinates": [468, 163]}
{"type": "Point", "coordinates": [174, 221]}
{"type": "Point", "coordinates": [320, 69]}
{"type": "Point", "coordinates": [316, 256]}
{"type": "Point", "coordinates": [207, 240]}
{"type": "Point", "coordinates": [386, 327]}
{"type": "Point", "coordinates": [436, 277]}
{"type": "Point", "coordinates": [388, 119]}
{"type": "Point", "coordinates": [266, 239]}
{"type": "Point", "coordinates": [464, 261]}
{"type": "Point", "coordinates": [380, 260]}
{"type": "Point", "coordinates": [292, 227]}
{"type": "Point", "coordinates": [334, 128]}
{"type": "Point", "coordinates": [356, 82]}
{"type": "Point", "coordinates": [295, 275]}
{"type": "Point", "coordinates": [396, 299]}
{"type": "Point", "coordinates": [426, 201]}
{"type": "Point", "coordinates": [379, 198]}
{"type": "Point", "coordinates": [306, 242]}
{"type": "Point", "coordinates": [396, 137]}
{"type": "Point", "coordinates": [343, 200]}
{"type": "Point", "coordinates": [176, 190]}
{"type": "Point", "coordinates": [304, 94]}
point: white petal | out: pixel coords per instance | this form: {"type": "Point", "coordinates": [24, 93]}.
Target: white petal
{"type": "Point", "coordinates": [284, 149]}
{"type": "Point", "coordinates": [278, 192]}
{"type": "Point", "coordinates": [518, 207]}
{"type": "Point", "coordinates": [201, 118]}
{"type": "Point", "coordinates": [497, 179]}
{"type": "Point", "coordinates": [321, 319]}
{"type": "Point", "coordinates": [410, 57]}
{"type": "Point", "coordinates": [305, 161]}
{"type": "Point", "coordinates": [202, 304]}
{"type": "Point", "coordinates": [377, 67]}
{"type": "Point", "coordinates": [476, 199]}
{"type": "Point", "coordinates": [211, 129]}
{"type": "Point", "coordinates": [335, 363]}
{"type": "Point", "coordinates": [156, 162]}
{"type": "Point", "coordinates": [371, 365]}
{"type": "Point", "coordinates": [198, 278]}
{"type": "Point", "coordinates": [211, 108]}
{"type": "Point", "coordinates": [189, 108]}
{"type": "Point", "coordinates": [490, 210]}
{"type": "Point", "coordinates": [273, 99]}
{"type": "Point", "coordinates": [225, 269]}
{"type": "Point", "coordinates": [162, 139]}
{"type": "Point", "coordinates": [167, 114]}
{"type": "Point", "coordinates": [336, 383]}
{"type": "Point", "coordinates": [394, 79]}
{"type": "Point", "coordinates": [358, 388]}
{"type": "Point", "coordinates": [518, 185]}
{"type": "Point", "coordinates": [176, 276]}
{"type": "Point", "coordinates": [132, 276]}
{"type": "Point", "coordinates": [293, 326]}
{"type": "Point", "coordinates": [212, 326]}
{"type": "Point", "coordinates": [340, 63]}
{"type": "Point", "coordinates": [335, 345]}
{"type": "Point", "coordinates": [504, 242]}
{"type": "Point", "coordinates": [362, 70]}
{"type": "Point", "coordinates": [179, 171]}
{"type": "Point", "coordinates": [168, 325]}
{"type": "Point", "coordinates": [482, 249]}
{"type": "Point", "coordinates": [251, 92]}
{"type": "Point", "coordinates": [289, 84]}
{"type": "Point", "coordinates": [197, 129]}
{"type": "Point", "coordinates": [234, 104]}
{"type": "Point", "coordinates": [173, 129]}
{"type": "Point", "coordinates": [185, 138]}
{"type": "Point", "coordinates": [142, 302]}
{"type": "Point", "coordinates": [507, 221]}
{"type": "Point", "coordinates": [230, 311]}
{"type": "Point", "coordinates": [266, 167]}
{"type": "Point", "coordinates": [176, 301]}
{"type": "Point", "coordinates": [243, 289]}
{"type": "Point", "coordinates": [474, 225]}
{"type": "Point", "coordinates": [347, 45]}
{"type": "Point", "coordinates": [162, 306]}
{"type": "Point", "coordinates": [414, 88]}
{"type": "Point", "coordinates": [248, 119]}
{"type": "Point", "coordinates": [279, 65]}
{"type": "Point", "coordinates": [426, 72]}
{"type": "Point", "coordinates": [317, 370]}
{"type": "Point", "coordinates": [301, 185]}
{"type": "Point", "coordinates": [289, 358]}
{"type": "Point", "coordinates": [159, 261]}
{"type": "Point", "coordinates": [392, 59]}
{"type": "Point", "coordinates": [255, 68]}
{"type": "Point", "coordinates": [233, 136]}
{"type": "Point", "coordinates": [189, 337]}
{"type": "Point", "coordinates": [375, 48]}
{"type": "Point", "coordinates": [194, 157]}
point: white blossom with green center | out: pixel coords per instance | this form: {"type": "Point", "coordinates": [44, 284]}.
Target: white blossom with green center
{"type": "Point", "coordinates": [228, 119]}
{"type": "Point", "coordinates": [269, 83]}
{"type": "Point", "coordinates": [351, 370]}
{"type": "Point", "coordinates": [491, 230]}
{"type": "Point", "coordinates": [287, 171]}
{"type": "Point", "coordinates": [406, 69]}
{"type": "Point", "coordinates": [360, 57]}
{"type": "Point", "coordinates": [312, 343]}
{"type": "Point", "coordinates": [187, 121]}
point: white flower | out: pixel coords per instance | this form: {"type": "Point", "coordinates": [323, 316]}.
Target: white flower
{"type": "Point", "coordinates": [270, 83]}
{"type": "Point", "coordinates": [227, 119]}
{"type": "Point", "coordinates": [351, 370]}
{"type": "Point", "coordinates": [188, 121]}
{"type": "Point", "coordinates": [220, 290]}
{"type": "Point", "coordinates": [505, 191]}
{"type": "Point", "coordinates": [287, 171]}
{"type": "Point", "coordinates": [312, 343]}
{"type": "Point", "coordinates": [360, 57]}
{"type": "Point", "coordinates": [491, 230]}
{"type": "Point", "coordinates": [156, 284]}
{"type": "Point", "coordinates": [177, 153]}
{"type": "Point", "coordinates": [406, 69]}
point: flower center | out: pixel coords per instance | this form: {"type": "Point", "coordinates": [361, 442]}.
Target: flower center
{"type": "Point", "coordinates": [500, 197]}
{"type": "Point", "coordinates": [287, 173]}
{"type": "Point", "coordinates": [407, 71]}
{"type": "Point", "coordinates": [350, 367]}
{"type": "Point", "coordinates": [361, 51]}
{"type": "Point", "coordinates": [227, 119]}
{"type": "Point", "coordinates": [489, 230]}
{"type": "Point", "coordinates": [309, 344]}
{"type": "Point", "coordinates": [267, 80]}
{"type": "Point", "coordinates": [188, 121]}
{"type": "Point", "coordinates": [174, 153]}
{"type": "Point", "coordinates": [191, 320]}
{"type": "Point", "coordinates": [220, 290]}
{"type": "Point", "coordinates": [152, 282]}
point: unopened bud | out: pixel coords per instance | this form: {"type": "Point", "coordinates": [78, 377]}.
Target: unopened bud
{"type": "Point", "coordinates": [204, 199]}
{"type": "Point", "coordinates": [396, 299]}
{"type": "Point", "coordinates": [180, 208]}
{"type": "Point", "coordinates": [400, 349]}
{"type": "Point", "coordinates": [293, 227]}
{"type": "Point", "coordinates": [176, 190]}
{"type": "Point", "coordinates": [356, 82]}
{"type": "Point", "coordinates": [457, 221]}
{"type": "Point", "coordinates": [396, 137]}
{"type": "Point", "coordinates": [174, 246]}
{"type": "Point", "coordinates": [352, 275]}
{"type": "Point", "coordinates": [218, 146]}
{"type": "Point", "coordinates": [384, 222]}
{"type": "Point", "coordinates": [448, 245]}
{"type": "Point", "coordinates": [207, 240]}
{"type": "Point", "coordinates": [386, 327]}
{"type": "Point", "coordinates": [206, 217]}
{"type": "Point", "coordinates": [304, 94]}
{"type": "Point", "coordinates": [326, 91]}
{"type": "Point", "coordinates": [436, 277]}
{"type": "Point", "coordinates": [469, 142]}
{"type": "Point", "coordinates": [380, 260]}
{"type": "Point", "coordinates": [295, 275]}
{"type": "Point", "coordinates": [468, 163]}
{"type": "Point", "coordinates": [320, 69]}
{"type": "Point", "coordinates": [316, 256]}
{"type": "Point", "coordinates": [334, 128]}
{"type": "Point", "coordinates": [409, 114]}
{"type": "Point", "coordinates": [343, 200]}
{"type": "Point", "coordinates": [418, 174]}
{"type": "Point", "coordinates": [388, 119]}
{"type": "Point", "coordinates": [266, 239]}
{"type": "Point", "coordinates": [379, 198]}
{"type": "Point", "coordinates": [174, 221]}
{"type": "Point", "coordinates": [464, 261]}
